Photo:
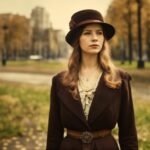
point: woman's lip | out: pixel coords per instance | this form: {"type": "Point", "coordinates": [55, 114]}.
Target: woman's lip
{"type": "Point", "coordinates": [94, 45]}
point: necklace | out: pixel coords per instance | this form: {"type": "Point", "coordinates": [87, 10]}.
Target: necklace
{"type": "Point", "coordinates": [90, 74]}
{"type": "Point", "coordinates": [88, 84]}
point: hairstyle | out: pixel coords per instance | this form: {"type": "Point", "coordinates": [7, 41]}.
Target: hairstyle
{"type": "Point", "coordinates": [111, 73]}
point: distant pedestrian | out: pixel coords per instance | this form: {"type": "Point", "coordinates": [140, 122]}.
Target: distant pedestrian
{"type": "Point", "coordinates": [92, 96]}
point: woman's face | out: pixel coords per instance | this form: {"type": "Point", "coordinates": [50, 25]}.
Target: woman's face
{"type": "Point", "coordinates": [91, 39]}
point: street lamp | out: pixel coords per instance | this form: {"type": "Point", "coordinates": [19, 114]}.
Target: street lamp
{"type": "Point", "coordinates": [4, 51]}
{"type": "Point", "coordinates": [140, 63]}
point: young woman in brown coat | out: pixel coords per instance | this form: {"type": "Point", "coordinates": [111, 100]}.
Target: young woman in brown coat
{"type": "Point", "coordinates": [93, 96]}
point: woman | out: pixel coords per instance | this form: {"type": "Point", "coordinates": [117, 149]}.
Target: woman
{"type": "Point", "coordinates": [93, 96]}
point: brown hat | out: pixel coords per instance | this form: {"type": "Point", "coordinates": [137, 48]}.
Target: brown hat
{"type": "Point", "coordinates": [84, 17]}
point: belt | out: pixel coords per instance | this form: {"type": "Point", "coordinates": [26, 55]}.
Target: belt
{"type": "Point", "coordinates": [87, 137]}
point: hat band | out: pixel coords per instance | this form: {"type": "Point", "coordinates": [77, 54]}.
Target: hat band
{"type": "Point", "coordinates": [86, 22]}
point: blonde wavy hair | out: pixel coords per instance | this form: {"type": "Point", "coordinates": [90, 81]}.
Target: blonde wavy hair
{"type": "Point", "coordinates": [111, 72]}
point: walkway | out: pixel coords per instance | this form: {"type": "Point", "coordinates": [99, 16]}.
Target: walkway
{"type": "Point", "coordinates": [26, 78]}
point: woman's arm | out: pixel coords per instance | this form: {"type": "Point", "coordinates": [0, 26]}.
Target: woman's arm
{"type": "Point", "coordinates": [127, 128]}
{"type": "Point", "coordinates": [55, 128]}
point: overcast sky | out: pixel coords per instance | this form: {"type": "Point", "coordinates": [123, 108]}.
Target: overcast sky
{"type": "Point", "coordinates": [60, 11]}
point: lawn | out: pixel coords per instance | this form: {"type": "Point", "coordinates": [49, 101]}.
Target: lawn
{"type": "Point", "coordinates": [41, 66]}
{"type": "Point", "coordinates": [21, 107]}
{"type": "Point", "coordinates": [53, 66]}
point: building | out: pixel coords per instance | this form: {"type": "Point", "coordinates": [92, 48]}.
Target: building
{"type": "Point", "coordinates": [46, 41]}
{"type": "Point", "coordinates": [40, 18]}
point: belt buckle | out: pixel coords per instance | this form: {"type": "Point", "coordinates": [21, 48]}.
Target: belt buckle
{"type": "Point", "coordinates": [86, 137]}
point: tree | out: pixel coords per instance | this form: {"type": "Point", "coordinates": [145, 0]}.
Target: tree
{"type": "Point", "coordinates": [124, 18]}
{"type": "Point", "coordinates": [19, 34]}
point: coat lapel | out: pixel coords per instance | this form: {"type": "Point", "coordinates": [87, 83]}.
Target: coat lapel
{"type": "Point", "coordinates": [72, 105]}
{"type": "Point", "coordinates": [102, 98]}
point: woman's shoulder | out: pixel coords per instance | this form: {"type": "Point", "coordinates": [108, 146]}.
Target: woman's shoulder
{"type": "Point", "coordinates": [58, 76]}
{"type": "Point", "coordinates": [124, 75]}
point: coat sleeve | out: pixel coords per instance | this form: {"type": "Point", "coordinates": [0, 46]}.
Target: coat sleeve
{"type": "Point", "coordinates": [55, 128]}
{"type": "Point", "coordinates": [126, 123]}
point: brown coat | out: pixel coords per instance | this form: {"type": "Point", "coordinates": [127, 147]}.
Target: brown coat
{"type": "Point", "coordinates": [109, 107]}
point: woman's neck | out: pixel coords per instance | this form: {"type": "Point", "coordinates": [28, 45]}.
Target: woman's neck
{"type": "Point", "coordinates": [89, 69]}
{"type": "Point", "coordinates": [89, 61]}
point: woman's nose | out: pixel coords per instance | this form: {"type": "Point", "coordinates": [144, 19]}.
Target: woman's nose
{"type": "Point", "coordinates": [94, 36]}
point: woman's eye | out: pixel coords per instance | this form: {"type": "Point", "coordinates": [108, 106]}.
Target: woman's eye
{"type": "Point", "coordinates": [99, 32]}
{"type": "Point", "coordinates": [86, 33]}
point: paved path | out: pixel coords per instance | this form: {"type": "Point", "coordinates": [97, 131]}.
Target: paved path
{"type": "Point", "coordinates": [26, 78]}
{"type": "Point", "coordinates": [45, 79]}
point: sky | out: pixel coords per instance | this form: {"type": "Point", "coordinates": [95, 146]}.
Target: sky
{"type": "Point", "coordinates": [60, 11]}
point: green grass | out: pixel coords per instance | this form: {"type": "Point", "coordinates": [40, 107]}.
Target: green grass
{"type": "Point", "coordinates": [43, 66]}
{"type": "Point", "coordinates": [21, 107]}
{"type": "Point", "coordinates": [53, 66]}
{"type": "Point", "coordinates": [40, 63]}
{"type": "Point", "coordinates": [142, 113]}
{"type": "Point", "coordinates": [131, 66]}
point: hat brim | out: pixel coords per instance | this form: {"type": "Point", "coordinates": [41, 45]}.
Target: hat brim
{"type": "Point", "coordinates": [108, 30]}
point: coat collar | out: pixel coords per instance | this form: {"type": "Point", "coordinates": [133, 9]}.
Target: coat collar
{"type": "Point", "coordinates": [102, 98]}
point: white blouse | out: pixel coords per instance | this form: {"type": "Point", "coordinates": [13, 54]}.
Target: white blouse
{"type": "Point", "coordinates": [86, 91]}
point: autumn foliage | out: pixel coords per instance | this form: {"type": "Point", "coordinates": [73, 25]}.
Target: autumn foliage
{"type": "Point", "coordinates": [123, 15]}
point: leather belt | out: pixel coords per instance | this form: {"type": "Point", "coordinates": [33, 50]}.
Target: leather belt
{"type": "Point", "coordinates": [87, 137]}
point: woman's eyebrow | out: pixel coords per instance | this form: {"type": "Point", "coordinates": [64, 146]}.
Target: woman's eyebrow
{"type": "Point", "coordinates": [87, 30]}
{"type": "Point", "coordinates": [92, 29]}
